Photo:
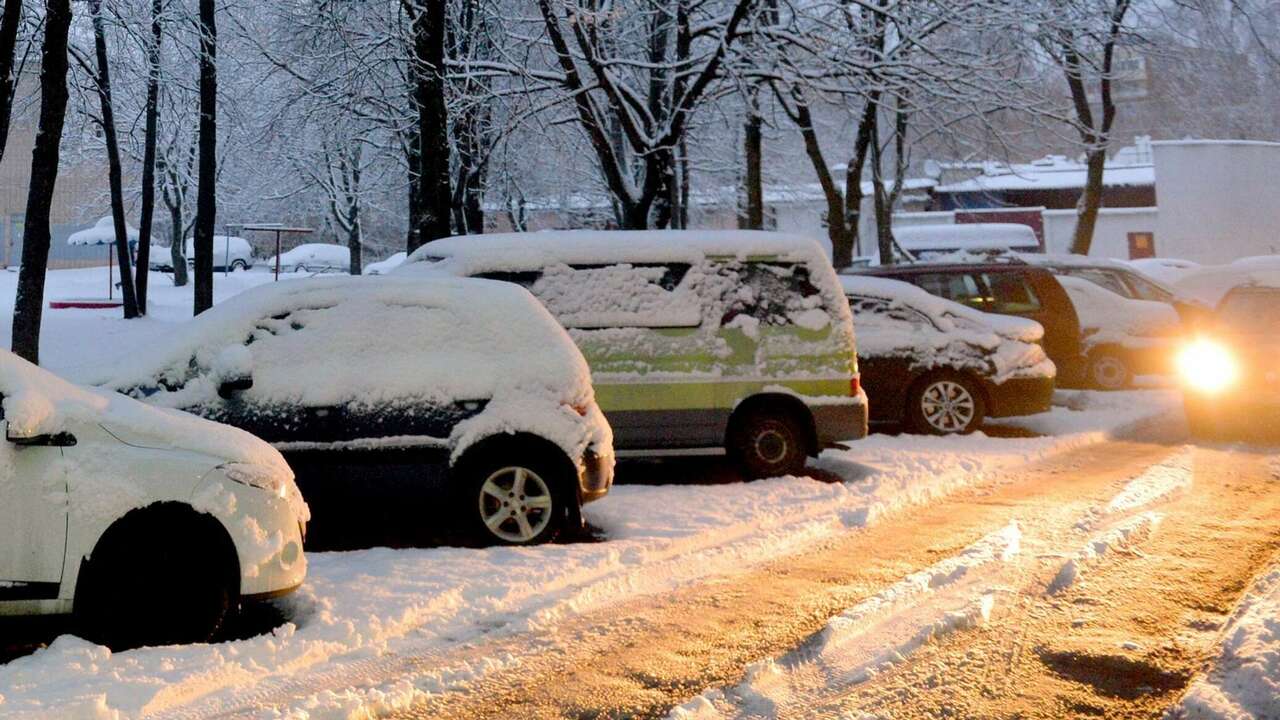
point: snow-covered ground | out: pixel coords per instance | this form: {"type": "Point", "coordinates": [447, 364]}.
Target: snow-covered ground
{"type": "Point", "coordinates": [352, 629]}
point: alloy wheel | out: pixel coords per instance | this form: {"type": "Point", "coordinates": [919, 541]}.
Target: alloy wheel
{"type": "Point", "coordinates": [948, 406]}
{"type": "Point", "coordinates": [516, 504]}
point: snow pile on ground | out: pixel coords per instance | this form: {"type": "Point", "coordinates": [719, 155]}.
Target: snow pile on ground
{"type": "Point", "coordinates": [954, 594]}
{"type": "Point", "coordinates": [388, 624]}
{"type": "Point", "coordinates": [1123, 535]}
{"type": "Point", "coordinates": [1244, 682]}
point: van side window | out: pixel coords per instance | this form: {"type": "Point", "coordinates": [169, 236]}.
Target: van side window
{"type": "Point", "coordinates": [772, 292]}
{"type": "Point", "coordinates": [619, 295]}
{"type": "Point", "coordinates": [1011, 293]}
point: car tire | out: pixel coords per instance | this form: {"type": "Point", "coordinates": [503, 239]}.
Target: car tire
{"type": "Point", "coordinates": [1107, 370]}
{"type": "Point", "coordinates": [945, 404]}
{"type": "Point", "coordinates": [155, 583]}
{"type": "Point", "coordinates": [239, 265]}
{"type": "Point", "coordinates": [513, 494]}
{"type": "Point", "coordinates": [766, 443]}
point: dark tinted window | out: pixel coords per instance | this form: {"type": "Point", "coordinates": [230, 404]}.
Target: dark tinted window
{"type": "Point", "coordinates": [1251, 311]}
{"type": "Point", "coordinates": [965, 288]}
{"type": "Point", "coordinates": [523, 279]}
{"type": "Point", "coordinates": [1010, 293]}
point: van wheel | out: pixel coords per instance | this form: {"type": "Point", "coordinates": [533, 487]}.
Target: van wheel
{"type": "Point", "coordinates": [945, 404]}
{"type": "Point", "coordinates": [239, 265]}
{"type": "Point", "coordinates": [135, 591]}
{"type": "Point", "coordinates": [513, 496]}
{"type": "Point", "coordinates": [1109, 371]}
{"type": "Point", "coordinates": [766, 444]}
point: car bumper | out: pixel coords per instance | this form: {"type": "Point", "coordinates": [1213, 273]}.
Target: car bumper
{"type": "Point", "coordinates": [1019, 396]}
{"type": "Point", "coordinates": [842, 421]}
{"type": "Point", "coordinates": [595, 476]}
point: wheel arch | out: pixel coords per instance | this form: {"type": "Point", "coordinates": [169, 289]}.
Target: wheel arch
{"type": "Point", "coordinates": [790, 404]}
{"type": "Point", "coordinates": [524, 442]}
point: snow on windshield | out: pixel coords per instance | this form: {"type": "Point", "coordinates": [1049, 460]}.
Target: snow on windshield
{"type": "Point", "coordinates": [1108, 318]}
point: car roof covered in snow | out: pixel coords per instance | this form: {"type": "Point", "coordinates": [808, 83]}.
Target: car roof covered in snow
{"type": "Point", "coordinates": [37, 402]}
{"type": "Point", "coordinates": [341, 340]}
{"type": "Point", "coordinates": [471, 254]}
{"type": "Point", "coordinates": [1209, 284]}
{"type": "Point", "coordinates": [103, 232]}
{"type": "Point", "coordinates": [317, 250]}
{"type": "Point", "coordinates": [939, 310]}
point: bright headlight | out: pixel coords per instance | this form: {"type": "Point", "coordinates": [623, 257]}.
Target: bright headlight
{"type": "Point", "coordinates": [1208, 366]}
{"type": "Point", "coordinates": [263, 478]}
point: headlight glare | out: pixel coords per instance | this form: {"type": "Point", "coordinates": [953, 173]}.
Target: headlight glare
{"type": "Point", "coordinates": [1208, 366]}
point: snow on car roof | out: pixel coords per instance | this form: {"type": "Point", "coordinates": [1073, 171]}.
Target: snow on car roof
{"type": "Point", "coordinates": [939, 310]}
{"type": "Point", "coordinates": [523, 251]}
{"type": "Point", "coordinates": [1209, 284]}
{"type": "Point", "coordinates": [37, 402]}
{"type": "Point", "coordinates": [1051, 173]}
{"type": "Point", "coordinates": [969, 236]}
{"type": "Point", "coordinates": [343, 340]}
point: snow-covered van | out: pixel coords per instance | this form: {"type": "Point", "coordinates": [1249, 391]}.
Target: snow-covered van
{"type": "Point", "coordinates": [699, 342]}
{"type": "Point", "coordinates": [229, 253]}
{"type": "Point", "coordinates": [403, 406]}
{"type": "Point", "coordinates": [150, 525]}
{"type": "Point", "coordinates": [939, 367]}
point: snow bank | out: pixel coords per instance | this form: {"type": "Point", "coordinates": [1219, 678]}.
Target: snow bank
{"type": "Point", "coordinates": [36, 402]}
{"type": "Point", "coordinates": [1244, 681]}
{"type": "Point", "coordinates": [1110, 319]}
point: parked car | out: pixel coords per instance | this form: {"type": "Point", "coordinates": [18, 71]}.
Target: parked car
{"type": "Point", "coordinates": [382, 267]}
{"type": "Point", "coordinates": [1165, 270]}
{"type": "Point", "coordinates": [400, 403]}
{"type": "Point", "coordinates": [1122, 337]}
{"type": "Point", "coordinates": [160, 259]}
{"type": "Point", "coordinates": [229, 253]}
{"type": "Point", "coordinates": [700, 342]}
{"type": "Point", "coordinates": [1007, 287]}
{"type": "Point", "coordinates": [315, 258]}
{"type": "Point", "coordinates": [151, 526]}
{"type": "Point", "coordinates": [1230, 378]}
{"type": "Point", "coordinates": [1117, 277]}
{"type": "Point", "coordinates": [939, 367]}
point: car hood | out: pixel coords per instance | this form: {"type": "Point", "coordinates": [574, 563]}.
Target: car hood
{"type": "Point", "coordinates": [37, 402]}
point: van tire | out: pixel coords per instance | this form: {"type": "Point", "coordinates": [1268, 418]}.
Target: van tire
{"type": "Point", "coordinates": [504, 467]}
{"type": "Point", "coordinates": [767, 442]}
{"type": "Point", "coordinates": [159, 577]}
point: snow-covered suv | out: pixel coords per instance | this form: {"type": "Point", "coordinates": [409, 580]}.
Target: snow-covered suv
{"type": "Point", "coordinates": [400, 404]}
{"type": "Point", "coordinates": [150, 524]}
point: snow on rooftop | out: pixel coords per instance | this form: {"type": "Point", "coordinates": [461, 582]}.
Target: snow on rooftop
{"type": "Point", "coordinates": [1055, 172]}
{"type": "Point", "coordinates": [103, 232]}
{"type": "Point", "coordinates": [974, 236]}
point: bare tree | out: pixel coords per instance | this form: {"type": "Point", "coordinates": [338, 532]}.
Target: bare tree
{"type": "Point", "coordinates": [9, 24]}
{"type": "Point", "coordinates": [152, 111]}
{"type": "Point", "coordinates": [29, 303]}
{"type": "Point", "coordinates": [427, 20]}
{"type": "Point", "coordinates": [206, 186]}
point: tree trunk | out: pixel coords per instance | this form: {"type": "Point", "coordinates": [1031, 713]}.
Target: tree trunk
{"type": "Point", "coordinates": [355, 242]}
{"type": "Point", "coordinates": [29, 302]}
{"type": "Point", "coordinates": [1090, 203]}
{"type": "Point", "coordinates": [115, 177]}
{"type": "Point", "coordinates": [412, 150]}
{"type": "Point", "coordinates": [8, 44]}
{"type": "Point", "coordinates": [753, 218]}
{"type": "Point", "coordinates": [433, 120]}
{"type": "Point", "coordinates": [206, 190]}
{"type": "Point", "coordinates": [853, 179]}
{"type": "Point", "coordinates": [149, 156]}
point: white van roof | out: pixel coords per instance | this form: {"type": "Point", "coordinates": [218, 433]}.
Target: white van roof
{"type": "Point", "coordinates": [525, 251]}
{"type": "Point", "coordinates": [974, 236]}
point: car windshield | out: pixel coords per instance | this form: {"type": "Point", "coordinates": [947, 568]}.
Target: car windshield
{"type": "Point", "coordinates": [1251, 311]}
{"type": "Point", "coordinates": [1144, 289]}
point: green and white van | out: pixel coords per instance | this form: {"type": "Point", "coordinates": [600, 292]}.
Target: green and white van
{"type": "Point", "coordinates": [699, 342]}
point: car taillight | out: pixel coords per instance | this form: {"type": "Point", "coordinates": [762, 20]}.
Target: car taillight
{"type": "Point", "coordinates": [855, 386]}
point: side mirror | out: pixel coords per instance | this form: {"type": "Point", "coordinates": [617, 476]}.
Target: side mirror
{"type": "Point", "coordinates": [230, 387]}
{"type": "Point", "coordinates": [62, 439]}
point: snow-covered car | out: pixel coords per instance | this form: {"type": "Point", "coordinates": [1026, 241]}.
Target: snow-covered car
{"type": "Point", "coordinates": [1230, 380]}
{"type": "Point", "coordinates": [152, 526]}
{"type": "Point", "coordinates": [940, 367]}
{"type": "Point", "coordinates": [1165, 270]}
{"type": "Point", "coordinates": [1122, 337]}
{"type": "Point", "coordinates": [1118, 277]}
{"type": "Point", "coordinates": [229, 253]}
{"type": "Point", "coordinates": [399, 402]}
{"type": "Point", "coordinates": [160, 258]}
{"type": "Point", "coordinates": [382, 267]}
{"type": "Point", "coordinates": [700, 342]}
{"type": "Point", "coordinates": [314, 258]}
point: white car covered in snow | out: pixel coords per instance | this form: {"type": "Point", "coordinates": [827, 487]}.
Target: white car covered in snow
{"type": "Point", "coordinates": [229, 253]}
{"type": "Point", "coordinates": [314, 258]}
{"type": "Point", "coordinates": [940, 367]}
{"type": "Point", "coordinates": [150, 525]}
{"type": "Point", "coordinates": [403, 406]}
{"type": "Point", "coordinates": [382, 267]}
{"type": "Point", "coordinates": [1122, 337]}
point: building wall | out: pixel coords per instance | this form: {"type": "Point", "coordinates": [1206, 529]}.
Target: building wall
{"type": "Point", "coordinates": [1110, 235]}
{"type": "Point", "coordinates": [1219, 200]}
